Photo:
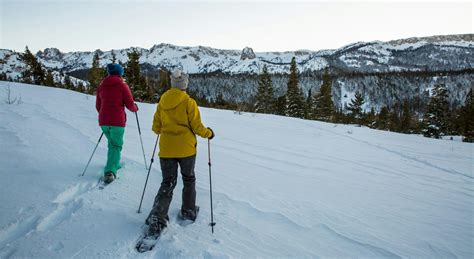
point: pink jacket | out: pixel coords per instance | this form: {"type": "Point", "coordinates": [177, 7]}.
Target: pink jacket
{"type": "Point", "coordinates": [112, 95]}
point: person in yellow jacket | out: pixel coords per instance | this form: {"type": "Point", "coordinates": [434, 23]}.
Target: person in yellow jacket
{"type": "Point", "coordinates": [177, 120]}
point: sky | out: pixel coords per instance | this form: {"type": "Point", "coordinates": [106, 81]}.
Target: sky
{"type": "Point", "coordinates": [86, 25]}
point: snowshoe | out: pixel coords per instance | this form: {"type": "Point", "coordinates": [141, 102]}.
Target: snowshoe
{"type": "Point", "coordinates": [189, 216]}
{"type": "Point", "coordinates": [109, 177]}
{"type": "Point", "coordinates": [149, 240]}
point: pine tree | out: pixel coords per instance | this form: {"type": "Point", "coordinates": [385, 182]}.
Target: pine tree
{"type": "Point", "coordinates": [49, 80]}
{"type": "Point", "coordinates": [467, 115]}
{"type": "Point", "coordinates": [382, 118]}
{"type": "Point", "coordinates": [114, 58]}
{"type": "Point", "coordinates": [68, 83]}
{"type": "Point", "coordinates": [309, 106]}
{"type": "Point", "coordinates": [164, 81]}
{"type": "Point", "coordinates": [220, 102]}
{"type": "Point", "coordinates": [315, 104]}
{"type": "Point", "coordinates": [394, 120]}
{"type": "Point", "coordinates": [435, 120]}
{"type": "Point", "coordinates": [34, 72]}
{"type": "Point", "coordinates": [200, 99]}
{"type": "Point", "coordinates": [457, 122]}
{"type": "Point", "coordinates": [406, 121]}
{"type": "Point", "coordinates": [280, 105]}
{"type": "Point", "coordinates": [135, 79]}
{"type": "Point", "coordinates": [324, 106]}
{"type": "Point", "coordinates": [81, 87]}
{"type": "Point", "coordinates": [60, 83]}
{"type": "Point", "coordinates": [295, 99]}
{"type": "Point", "coordinates": [265, 99]}
{"type": "Point", "coordinates": [355, 108]}
{"type": "Point", "coordinates": [371, 118]}
{"type": "Point", "coordinates": [96, 74]}
{"type": "Point", "coordinates": [340, 116]}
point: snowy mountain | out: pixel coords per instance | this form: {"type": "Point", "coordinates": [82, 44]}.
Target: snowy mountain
{"type": "Point", "coordinates": [232, 73]}
{"type": "Point", "coordinates": [414, 54]}
{"type": "Point", "coordinates": [283, 187]}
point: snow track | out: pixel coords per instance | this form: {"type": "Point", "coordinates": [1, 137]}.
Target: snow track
{"type": "Point", "coordinates": [283, 187]}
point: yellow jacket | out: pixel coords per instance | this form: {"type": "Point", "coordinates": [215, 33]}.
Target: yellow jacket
{"type": "Point", "coordinates": [177, 120]}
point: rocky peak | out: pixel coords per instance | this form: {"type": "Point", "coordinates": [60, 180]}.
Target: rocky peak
{"type": "Point", "coordinates": [247, 53]}
{"type": "Point", "coordinates": [50, 53]}
{"type": "Point", "coordinates": [98, 51]}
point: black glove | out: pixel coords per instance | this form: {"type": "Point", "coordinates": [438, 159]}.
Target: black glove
{"type": "Point", "coordinates": [212, 133]}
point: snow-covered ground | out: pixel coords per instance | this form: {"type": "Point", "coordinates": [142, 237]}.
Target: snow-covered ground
{"type": "Point", "coordinates": [283, 187]}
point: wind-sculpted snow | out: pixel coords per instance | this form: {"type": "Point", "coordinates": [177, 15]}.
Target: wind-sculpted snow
{"type": "Point", "coordinates": [282, 188]}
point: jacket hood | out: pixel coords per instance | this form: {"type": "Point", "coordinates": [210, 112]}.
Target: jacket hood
{"type": "Point", "coordinates": [112, 80]}
{"type": "Point", "coordinates": [172, 98]}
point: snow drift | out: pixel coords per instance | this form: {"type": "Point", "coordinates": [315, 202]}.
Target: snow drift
{"type": "Point", "coordinates": [283, 187]}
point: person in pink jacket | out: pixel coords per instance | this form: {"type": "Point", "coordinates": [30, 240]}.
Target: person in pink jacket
{"type": "Point", "coordinates": [113, 94]}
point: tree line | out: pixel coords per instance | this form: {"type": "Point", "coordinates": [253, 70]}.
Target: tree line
{"type": "Point", "coordinates": [439, 119]}
{"type": "Point", "coordinates": [145, 89]}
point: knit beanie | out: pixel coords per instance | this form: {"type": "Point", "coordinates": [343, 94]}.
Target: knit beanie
{"type": "Point", "coordinates": [179, 79]}
{"type": "Point", "coordinates": [115, 69]}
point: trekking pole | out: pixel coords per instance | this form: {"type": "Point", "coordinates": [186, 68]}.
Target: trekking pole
{"type": "Point", "coordinates": [149, 169]}
{"type": "Point", "coordinates": [92, 154]}
{"type": "Point", "coordinates": [141, 141]}
{"type": "Point", "coordinates": [212, 224]}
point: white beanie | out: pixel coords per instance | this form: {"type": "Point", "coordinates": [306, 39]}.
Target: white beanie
{"type": "Point", "coordinates": [179, 79]}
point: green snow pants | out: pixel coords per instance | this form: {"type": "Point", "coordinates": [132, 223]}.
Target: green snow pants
{"type": "Point", "coordinates": [115, 137]}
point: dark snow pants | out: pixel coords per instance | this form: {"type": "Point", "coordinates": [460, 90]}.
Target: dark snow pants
{"type": "Point", "coordinates": [169, 170]}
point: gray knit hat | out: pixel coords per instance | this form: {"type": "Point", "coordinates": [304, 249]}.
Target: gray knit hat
{"type": "Point", "coordinates": [179, 79]}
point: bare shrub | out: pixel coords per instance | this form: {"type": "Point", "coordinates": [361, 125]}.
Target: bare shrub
{"type": "Point", "coordinates": [10, 99]}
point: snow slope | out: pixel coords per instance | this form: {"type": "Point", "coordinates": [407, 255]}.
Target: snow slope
{"type": "Point", "coordinates": [283, 187]}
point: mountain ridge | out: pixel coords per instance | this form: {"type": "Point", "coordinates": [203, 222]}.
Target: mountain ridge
{"type": "Point", "coordinates": [360, 56]}
{"type": "Point", "coordinates": [387, 72]}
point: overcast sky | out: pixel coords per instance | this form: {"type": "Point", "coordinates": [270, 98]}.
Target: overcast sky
{"type": "Point", "coordinates": [85, 25]}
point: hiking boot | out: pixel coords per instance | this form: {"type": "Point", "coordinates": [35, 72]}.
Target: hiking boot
{"type": "Point", "coordinates": [109, 177]}
{"type": "Point", "coordinates": [190, 214]}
